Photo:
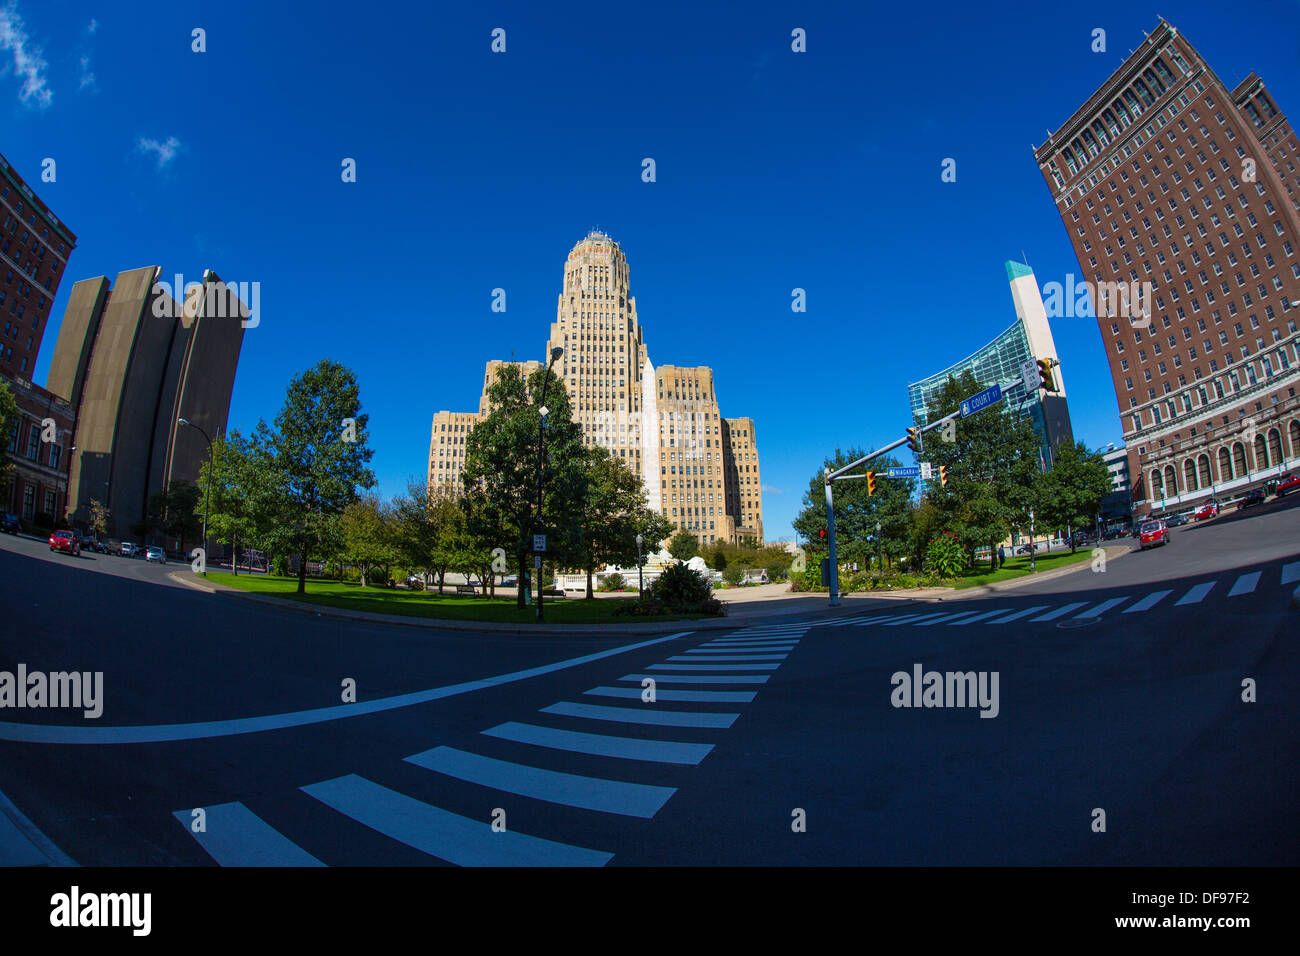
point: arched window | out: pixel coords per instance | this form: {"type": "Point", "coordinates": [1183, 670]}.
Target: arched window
{"type": "Point", "coordinates": [1294, 430]}
{"type": "Point", "coordinates": [1157, 484]}
{"type": "Point", "coordinates": [1189, 475]}
{"type": "Point", "coordinates": [1239, 459]}
{"type": "Point", "coordinates": [1275, 445]}
{"type": "Point", "coordinates": [1171, 480]}
{"type": "Point", "coordinates": [1225, 465]}
{"type": "Point", "coordinates": [1203, 466]}
{"type": "Point", "coordinates": [1261, 453]}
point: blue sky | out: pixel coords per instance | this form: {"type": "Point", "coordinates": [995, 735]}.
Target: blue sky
{"type": "Point", "coordinates": [476, 170]}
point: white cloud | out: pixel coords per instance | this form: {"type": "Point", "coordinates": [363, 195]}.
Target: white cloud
{"type": "Point", "coordinates": [92, 27]}
{"type": "Point", "coordinates": [166, 151]}
{"type": "Point", "coordinates": [28, 63]}
{"type": "Point", "coordinates": [87, 77]}
{"type": "Point", "coordinates": [769, 490]}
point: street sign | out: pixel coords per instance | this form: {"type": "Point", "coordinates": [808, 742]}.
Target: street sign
{"type": "Point", "coordinates": [539, 542]}
{"type": "Point", "coordinates": [537, 561]}
{"type": "Point", "coordinates": [1029, 375]}
{"type": "Point", "coordinates": [909, 472]}
{"type": "Point", "coordinates": [981, 400]}
{"type": "Point", "coordinates": [927, 471]}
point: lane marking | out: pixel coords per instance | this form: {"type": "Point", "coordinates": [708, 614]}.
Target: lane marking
{"type": "Point", "coordinates": [698, 678]}
{"type": "Point", "coordinates": [1150, 601]}
{"type": "Point", "coordinates": [643, 715]}
{"type": "Point", "coordinates": [569, 789]}
{"type": "Point", "coordinates": [1245, 584]}
{"type": "Point", "coordinates": [731, 657]}
{"type": "Point", "coordinates": [1019, 614]}
{"type": "Point", "coordinates": [1102, 608]}
{"type": "Point", "coordinates": [977, 617]}
{"type": "Point", "coordinates": [922, 617]}
{"type": "Point", "coordinates": [713, 667]}
{"type": "Point", "coordinates": [1291, 572]}
{"type": "Point", "coordinates": [437, 832]}
{"type": "Point", "coordinates": [945, 618]}
{"type": "Point", "coordinates": [602, 745]}
{"type": "Point", "coordinates": [1196, 595]}
{"type": "Point", "coordinates": [695, 696]}
{"type": "Point", "coordinates": [158, 733]}
{"type": "Point", "coordinates": [236, 836]}
{"type": "Point", "coordinates": [1059, 612]}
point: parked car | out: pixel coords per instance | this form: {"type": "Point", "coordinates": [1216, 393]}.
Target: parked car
{"type": "Point", "coordinates": [1026, 548]}
{"type": "Point", "coordinates": [9, 523]}
{"type": "Point", "coordinates": [1152, 533]}
{"type": "Point", "coordinates": [101, 547]}
{"type": "Point", "coordinates": [1208, 510]}
{"type": "Point", "coordinates": [1288, 484]}
{"type": "Point", "coordinates": [1175, 521]}
{"type": "Point", "coordinates": [1255, 497]}
{"type": "Point", "coordinates": [129, 550]}
{"type": "Point", "coordinates": [153, 553]}
{"type": "Point", "coordinates": [65, 541]}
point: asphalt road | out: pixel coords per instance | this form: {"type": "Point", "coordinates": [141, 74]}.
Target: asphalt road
{"type": "Point", "coordinates": [1117, 690]}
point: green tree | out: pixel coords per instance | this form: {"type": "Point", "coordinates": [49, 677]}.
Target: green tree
{"type": "Point", "coordinates": [993, 468]}
{"type": "Point", "coordinates": [99, 516]}
{"type": "Point", "coordinates": [500, 472]}
{"type": "Point", "coordinates": [172, 511]}
{"type": "Point", "coordinates": [10, 418]}
{"type": "Point", "coordinates": [242, 506]}
{"type": "Point", "coordinates": [1072, 490]}
{"type": "Point", "coordinates": [613, 513]}
{"type": "Point", "coordinates": [683, 546]}
{"type": "Point", "coordinates": [368, 542]}
{"type": "Point", "coordinates": [315, 459]}
{"type": "Point", "coordinates": [424, 523]}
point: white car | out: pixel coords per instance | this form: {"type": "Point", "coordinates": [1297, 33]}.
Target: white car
{"type": "Point", "coordinates": [153, 553]}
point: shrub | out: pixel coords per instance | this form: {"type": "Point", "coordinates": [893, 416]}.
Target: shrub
{"type": "Point", "coordinates": [280, 565]}
{"type": "Point", "coordinates": [944, 556]}
{"type": "Point", "coordinates": [680, 589]}
{"type": "Point", "coordinates": [417, 584]}
{"type": "Point", "coordinates": [733, 574]}
{"type": "Point", "coordinates": [644, 608]}
{"type": "Point", "coordinates": [613, 582]}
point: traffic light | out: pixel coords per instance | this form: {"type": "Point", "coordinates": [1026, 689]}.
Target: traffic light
{"type": "Point", "coordinates": [871, 483]}
{"type": "Point", "coordinates": [914, 439]}
{"type": "Point", "coordinates": [1045, 379]}
{"type": "Point", "coordinates": [822, 534]}
{"type": "Point", "coordinates": [943, 475]}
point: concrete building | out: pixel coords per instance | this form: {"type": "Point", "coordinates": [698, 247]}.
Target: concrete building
{"type": "Point", "coordinates": [664, 423]}
{"type": "Point", "coordinates": [1118, 505]}
{"type": "Point", "coordinates": [1168, 177]}
{"type": "Point", "coordinates": [1029, 338]}
{"type": "Point", "coordinates": [34, 250]}
{"type": "Point", "coordinates": [133, 362]}
{"type": "Point", "coordinates": [741, 478]}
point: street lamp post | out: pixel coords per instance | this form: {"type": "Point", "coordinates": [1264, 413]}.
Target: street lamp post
{"type": "Point", "coordinates": [639, 574]}
{"type": "Point", "coordinates": [207, 501]}
{"type": "Point", "coordinates": [878, 551]}
{"type": "Point", "coordinates": [541, 437]}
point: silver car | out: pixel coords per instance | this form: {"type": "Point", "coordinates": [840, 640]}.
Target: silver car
{"type": "Point", "coordinates": [153, 553]}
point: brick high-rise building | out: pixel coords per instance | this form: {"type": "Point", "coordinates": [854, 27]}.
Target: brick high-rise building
{"type": "Point", "coordinates": [664, 424]}
{"type": "Point", "coordinates": [34, 251]}
{"type": "Point", "coordinates": [1166, 175]}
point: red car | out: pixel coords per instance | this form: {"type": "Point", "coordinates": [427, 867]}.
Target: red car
{"type": "Point", "coordinates": [1288, 483]}
{"type": "Point", "coordinates": [65, 541]}
{"type": "Point", "coordinates": [1151, 534]}
{"type": "Point", "coordinates": [1208, 510]}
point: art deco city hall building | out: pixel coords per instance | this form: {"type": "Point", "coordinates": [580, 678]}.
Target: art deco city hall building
{"type": "Point", "coordinates": [700, 470]}
{"type": "Point", "coordinates": [1169, 176]}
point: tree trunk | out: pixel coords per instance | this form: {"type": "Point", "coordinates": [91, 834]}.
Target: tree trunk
{"type": "Point", "coordinates": [302, 572]}
{"type": "Point", "coordinates": [234, 555]}
{"type": "Point", "coordinates": [993, 556]}
{"type": "Point", "coordinates": [1069, 529]}
{"type": "Point", "coordinates": [591, 569]}
{"type": "Point", "coordinates": [519, 591]}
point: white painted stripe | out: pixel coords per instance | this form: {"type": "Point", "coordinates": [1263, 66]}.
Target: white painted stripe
{"type": "Point", "coordinates": [728, 641]}
{"type": "Point", "coordinates": [943, 618]}
{"type": "Point", "coordinates": [699, 678]}
{"type": "Point", "coordinates": [901, 618]}
{"type": "Point", "coordinates": [1017, 615]}
{"type": "Point", "coordinates": [569, 789]}
{"type": "Point", "coordinates": [743, 650]}
{"type": "Point", "coordinates": [448, 836]}
{"type": "Point", "coordinates": [602, 745]}
{"type": "Point", "coordinates": [977, 617]}
{"type": "Point", "coordinates": [705, 648]}
{"type": "Point", "coordinates": [731, 657]}
{"type": "Point", "coordinates": [1102, 608]}
{"type": "Point", "coordinates": [1245, 584]}
{"type": "Point", "coordinates": [1291, 572]}
{"type": "Point", "coordinates": [155, 733]}
{"type": "Point", "coordinates": [1196, 595]}
{"type": "Point", "coordinates": [1150, 601]}
{"type": "Point", "coordinates": [234, 835]}
{"type": "Point", "coordinates": [713, 667]}
{"type": "Point", "coordinates": [645, 714]}
{"type": "Point", "coordinates": [1060, 611]}
{"type": "Point", "coordinates": [696, 696]}
{"type": "Point", "coordinates": [923, 617]}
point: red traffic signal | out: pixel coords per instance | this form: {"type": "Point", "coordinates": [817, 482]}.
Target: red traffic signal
{"type": "Point", "coordinates": [822, 533]}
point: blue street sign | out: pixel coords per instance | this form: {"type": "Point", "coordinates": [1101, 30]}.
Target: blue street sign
{"type": "Point", "coordinates": [913, 471]}
{"type": "Point", "coordinates": [982, 400]}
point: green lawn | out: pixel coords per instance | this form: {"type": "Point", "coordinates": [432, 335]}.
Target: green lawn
{"type": "Point", "coordinates": [1018, 567]}
{"type": "Point", "coordinates": [449, 606]}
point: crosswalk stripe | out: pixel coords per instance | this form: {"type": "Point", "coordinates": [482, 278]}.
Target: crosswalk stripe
{"type": "Point", "coordinates": [742, 649]}
{"type": "Point", "coordinates": [731, 657]}
{"type": "Point", "coordinates": [1150, 601]}
{"type": "Point", "coordinates": [904, 618]}
{"type": "Point", "coordinates": [699, 678]}
{"type": "Point", "coordinates": [646, 714]}
{"type": "Point", "coordinates": [755, 640]}
{"type": "Point", "coordinates": [696, 696]}
{"type": "Point", "coordinates": [602, 745]}
{"type": "Point", "coordinates": [923, 617]}
{"type": "Point", "coordinates": [712, 667]}
{"type": "Point", "coordinates": [942, 618]}
{"type": "Point", "coordinates": [1017, 615]}
{"type": "Point", "coordinates": [1291, 572]}
{"type": "Point", "coordinates": [1102, 608]}
{"type": "Point", "coordinates": [780, 645]}
{"type": "Point", "coordinates": [234, 835]}
{"type": "Point", "coordinates": [448, 836]}
{"type": "Point", "coordinates": [977, 617]}
{"type": "Point", "coordinates": [1059, 612]}
{"type": "Point", "coordinates": [1245, 584]}
{"type": "Point", "coordinates": [569, 789]}
{"type": "Point", "coordinates": [1196, 595]}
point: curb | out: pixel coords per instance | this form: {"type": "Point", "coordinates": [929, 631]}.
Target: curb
{"type": "Point", "coordinates": [1295, 599]}
{"type": "Point", "coordinates": [29, 831]}
{"type": "Point", "coordinates": [1034, 578]}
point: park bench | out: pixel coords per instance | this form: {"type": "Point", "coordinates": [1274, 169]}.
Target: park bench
{"type": "Point", "coordinates": [465, 589]}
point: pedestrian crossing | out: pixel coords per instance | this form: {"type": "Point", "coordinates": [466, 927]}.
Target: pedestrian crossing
{"type": "Point", "coordinates": [549, 754]}
{"type": "Point", "coordinates": [1242, 584]}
